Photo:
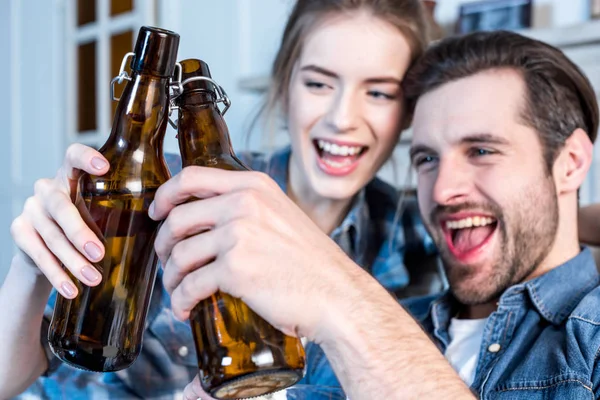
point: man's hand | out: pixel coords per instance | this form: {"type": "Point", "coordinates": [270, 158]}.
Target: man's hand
{"type": "Point", "coordinates": [245, 237]}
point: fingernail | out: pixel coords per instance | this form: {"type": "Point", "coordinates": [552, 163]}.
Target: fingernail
{"type": "Point", "coordinates": [98, 163]}
{"type": "Point", "coordinates": [92, 250]}
{"type": "Point", "coordinates": [151, 210]}
{"type": "Point", "coordinates": [68, 289]}
{"type": "Point", "coordinates": [90, 273]}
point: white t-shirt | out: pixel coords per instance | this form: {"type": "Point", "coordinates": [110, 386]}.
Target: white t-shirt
{"type": "Point", "coordinates": [465, 343]}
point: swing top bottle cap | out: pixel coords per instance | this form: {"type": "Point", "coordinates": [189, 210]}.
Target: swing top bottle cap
{"type": "Point", "coordinates": [191, 68]}
{"type": "Point", "coordinates": [155, 51]}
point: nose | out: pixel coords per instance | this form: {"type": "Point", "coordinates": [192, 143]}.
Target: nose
{"type": "Point", "coordinates": [452, 183]}
{"type": "Point", "coordinates": [344, 112]}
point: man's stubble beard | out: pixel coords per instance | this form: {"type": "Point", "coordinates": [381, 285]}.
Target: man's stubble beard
{"type": "Point", "coordinates": [527, 232]}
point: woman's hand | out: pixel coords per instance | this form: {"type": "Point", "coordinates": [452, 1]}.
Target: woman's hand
{"type": "Point", "coordinates": [51, 232]}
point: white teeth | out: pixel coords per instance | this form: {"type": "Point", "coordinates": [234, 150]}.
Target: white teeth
{"type": "Point", "coordinates": [338, 150]}
{"type": "Point", "coordinates": [469, 222]}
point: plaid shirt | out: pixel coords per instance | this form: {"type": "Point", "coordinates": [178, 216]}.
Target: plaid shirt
{"type": "Point", "coordinates": [167, 362]}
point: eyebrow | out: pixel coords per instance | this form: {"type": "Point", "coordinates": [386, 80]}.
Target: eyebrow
{"type": "Point", "coordinates": [486, 138]}
{"type": "Point", "coordinates": [326, 72]}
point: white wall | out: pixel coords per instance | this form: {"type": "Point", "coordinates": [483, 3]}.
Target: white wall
{"type": "Point", "coordinates": [5, 122]}
{"type": "Point", "coordinates": [237, 38]}
{"type": "Point", "coordinates": [32, 108]}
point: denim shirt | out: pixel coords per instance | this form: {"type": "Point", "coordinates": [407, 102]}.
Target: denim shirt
{"type": "Point", "coordinates": [542, 342]}
{"type": "Point", "coordinates": [167, 362]}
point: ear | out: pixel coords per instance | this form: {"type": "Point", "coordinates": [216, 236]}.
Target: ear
{"type": "Point", "coordinates": [573, 162]}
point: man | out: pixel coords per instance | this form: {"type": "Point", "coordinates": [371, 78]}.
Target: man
{"type": "Point", "coordinates": [502, 141]}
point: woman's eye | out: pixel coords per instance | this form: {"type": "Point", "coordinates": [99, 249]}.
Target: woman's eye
{"type": "Point", "coordinates": [376, 94]}
{"type": "Point", "coordinates": [314, 85]}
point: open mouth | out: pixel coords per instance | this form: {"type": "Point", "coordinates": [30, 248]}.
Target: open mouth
{"type": "Point", "coordinates": [336, 158]}
{"type": "Point", "coordinates": [466, 237]}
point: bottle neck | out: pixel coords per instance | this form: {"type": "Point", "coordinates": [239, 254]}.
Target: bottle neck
{"type": "Point", "coordinates": [202, 132]}
{"type": "Point", "coordinates": [142, 114]}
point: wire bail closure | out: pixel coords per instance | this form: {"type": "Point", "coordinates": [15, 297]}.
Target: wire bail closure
{"type": "Point", "coordinates": [177, 87]}
{"type": "Point", "coordinates": [123, 75]}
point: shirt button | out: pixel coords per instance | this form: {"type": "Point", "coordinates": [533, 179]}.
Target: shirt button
{"type": "Point", "coordinates": [183, 351]}
{"type": "Point", "coordinates": [494, 348]}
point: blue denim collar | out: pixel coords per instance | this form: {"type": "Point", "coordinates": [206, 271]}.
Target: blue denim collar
{"type": "Point", "coordinates": [554, 294]}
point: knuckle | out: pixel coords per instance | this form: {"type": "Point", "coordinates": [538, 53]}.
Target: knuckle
{"type": "Point", "coordinates": [237, 231]}
{"type": "Point", "coordinates": [262, 179]}
{"type": "Point", "coordinates": [53, 243]}
{"type": "Point", "coordinates": [177, 258]}
{"type": "Point", "coordinates": [41, 186]}
{"type": "Point", "coordinates": [172, 225]}
{"type": "Point", "coordinates": [55, 203]}
{"type": "Point", "coordinates": [79, 232]}
{"type": "Point", "coordinates": [73, 151]}
{"type": "Point", "coordinates": [31, 205]}
{"type": "Point", "coordinates": [251, 202]}
{"type": "Point", "coordinates": [186, 288]}
{"type": "Point", "coordinates": [17, 227]}
{"type": "Point", "coordinates": [187, 176]}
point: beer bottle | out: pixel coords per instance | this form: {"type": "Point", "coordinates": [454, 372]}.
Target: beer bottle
{"type": "Point", "coordinates": [240, 355]}
{"type": "Point", "coordinates": [101, 329]}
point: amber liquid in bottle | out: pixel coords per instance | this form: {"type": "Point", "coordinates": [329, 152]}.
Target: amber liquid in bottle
{"type": "Point", "coordinates": [240, 355]}
{"type": "Point", "coordinates": [101, 329]}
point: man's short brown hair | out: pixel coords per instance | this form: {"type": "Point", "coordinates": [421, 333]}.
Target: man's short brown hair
{"type": "Point", "coordinates": [559, 97]}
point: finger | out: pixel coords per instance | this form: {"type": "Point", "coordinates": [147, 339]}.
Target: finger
{"type": "Point", "coordinates": [194, 217]}
{"type": "Point", "coordinates": [29, 241]}
{"type": "Point", "coordinates": [58, 206]}
{"type": "Point", "coordinates": [83, 158]}
{"type": "Point", "coordinates": [60, 246]}
{"type": "Point", "coordinates": [202, 182]}
{"type": "Point", "coordinates": [187, 256]}
{"type": "Point", "coordinates": [194, 391]}
{"type": "Point", "coordinates": [195, 287]}
{"type": "Point", "coordinates": [189, 219]}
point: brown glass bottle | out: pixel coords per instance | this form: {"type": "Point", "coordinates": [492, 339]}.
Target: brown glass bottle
{"type": "Point", "coordinates": [240, 355]}
{"type": "Point", "coordinates": [101, 329]}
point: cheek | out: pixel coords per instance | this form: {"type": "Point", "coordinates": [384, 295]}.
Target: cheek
{"type": "Point", "coordinates": [385, 124]}
{"type": "Point", "coordinates": [425, 184]}
{"type": "Point", "coordinates": [305, 111]}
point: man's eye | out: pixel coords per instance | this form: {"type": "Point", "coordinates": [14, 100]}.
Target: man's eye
{"type": "Point", "coordinates": [423, 160]}
{"type": "Point", "coordinates": [478, 152]}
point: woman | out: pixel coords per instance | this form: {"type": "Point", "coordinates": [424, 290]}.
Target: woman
{"type": "Point", "coordinates": [336, 80]}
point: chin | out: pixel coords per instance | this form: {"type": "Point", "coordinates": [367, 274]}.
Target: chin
{"type": "Point", "coordinates": [337, 187]}
{"type": "Point", "coordinates": [476, 290]}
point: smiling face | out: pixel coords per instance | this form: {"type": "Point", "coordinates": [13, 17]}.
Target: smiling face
{"type": "Point", "coordinates": [484, 191]}
{"type": "Point", "coordinates": [345, 105]}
